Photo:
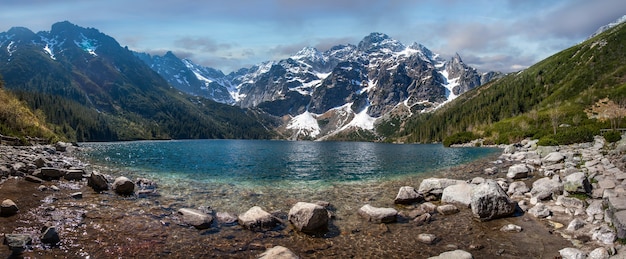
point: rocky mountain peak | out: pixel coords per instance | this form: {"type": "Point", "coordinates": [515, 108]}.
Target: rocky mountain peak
{"type": "Point", "coordinates": [377, 41]}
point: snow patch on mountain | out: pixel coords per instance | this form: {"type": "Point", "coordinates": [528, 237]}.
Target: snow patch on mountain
{"type": "Point", "coordinates": [361, 120]}
{"type": "Point", "coordinates": [88, 45]}
{"type": "Point", "coordinates": [11, 48]}
{"type": "Point", "coordinates": [305, 124]}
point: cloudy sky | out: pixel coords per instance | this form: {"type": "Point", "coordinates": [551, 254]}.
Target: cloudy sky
{"type": "Point", "coordinates": [505, 35]}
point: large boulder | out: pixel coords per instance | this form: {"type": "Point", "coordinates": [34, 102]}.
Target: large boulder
{"type": "Point", "coordinates": [256, 218]}
{"type": "Point", "coordinates": [545, 188]}
{"type": "Point", "coordinates": [459, 194]}
{"type": "Point", "coordinates": [378, 215]}
{"type": "Point", "coordinates": [8, 208]}
{"type": "Point", "coordinates": [123, 186]}
{"type": "Point", "coordinates": [577, 183]}
{"type": "Point", "coordinates": [517, 171]}
{"type": "Point", "coordinates": [308, 217]}
{"type": "Point", "coordinates": [98, 182]}
{"type": "Point", "coordinates": [490, 201]}
{"type": "Point", "coordinates": [572, 253]}
{"type": "Point", "coordinates": [408, 195]}
{"type": "Point", "coordinates": [278, 252]}
{"type": "Point", "coordinates": [196, 218]}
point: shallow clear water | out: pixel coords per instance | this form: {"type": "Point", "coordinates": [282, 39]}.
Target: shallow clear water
{"type": "Point", "coordinates": [277, 163]}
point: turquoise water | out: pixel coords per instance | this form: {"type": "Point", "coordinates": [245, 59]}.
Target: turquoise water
{"type": "Point", "coordinates": [268, 163]}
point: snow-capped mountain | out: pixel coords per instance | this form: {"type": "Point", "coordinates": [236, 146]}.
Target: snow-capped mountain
{"type": "Point", "coordinates": [347, 87]}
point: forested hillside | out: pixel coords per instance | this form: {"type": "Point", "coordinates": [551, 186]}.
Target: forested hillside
{"type": "Point", "coordinates": [565, 98]}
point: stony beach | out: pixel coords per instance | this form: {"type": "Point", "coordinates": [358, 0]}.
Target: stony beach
{"type": "Point", "coordinates": [528, 202]}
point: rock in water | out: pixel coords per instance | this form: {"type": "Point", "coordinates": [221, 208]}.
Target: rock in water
{"type": "Point", "coordinates": [456, 254]}
{"type": "Point", "coordinates": [17, 243]}
{"type": "Point", "coordinates": [98, 182]}
{"type": "Point", "coordinates": [378, 215]}
{"type": "Point", "coordinates": [256, 218]}
{"type": "Point", "coordinates": [490, 201]}
{"type": "Point", "coordinates": [123, 186]}
{"type": "Point", "coordinates": [196, 218]}
{"type": "Point", "coordinates": [408, 195]}
{"type": "Point", "coordinates": [308, 217]}
{"type": "Point", "coordinates": [278, 252]}
{"type": "Point", "coordinates": [8, 208]}
{"type": "Point", "coordinates": [50, 236]}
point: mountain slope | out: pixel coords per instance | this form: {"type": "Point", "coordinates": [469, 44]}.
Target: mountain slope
{"type": "Point", "coordinates": [345, 89]}
{"type": "Point", "coordinates": [17, 120]}
{"type": "Point", "coordinates": [91, 88]}
{"type": "Point", "coordinates": [553, 100]}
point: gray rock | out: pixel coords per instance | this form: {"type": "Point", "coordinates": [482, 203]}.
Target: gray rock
{"type": "Point", "coordinates": [378, 215]}
{"type": "Point", "coordinates": [459, 194]}
{"type": "Point", "coordinates": [539, 211]}
{"type": "Point", "coordinates": [17, 243]}
{"type": "Point", "coordinates": [427, 238]}
{"type": "Point", "coordinates": [456, 254]}
{"type": "Point", "coordinates": [489, 201]}
{"type": "Point", "coordinates": [570, 202]}
{"type": "Point", "coordinates": [447, 209]}
{"type": "Point", "coordinates": [572, 253]}
{"type": "Point", "coordinates": [604, 234]}
{"type": "Point", "coordinates": [278, 252]}
{"type": "Point", "coordinates": [595, 207]}
{"type": "Point", "coordinates": [428, 207]}
{"type": "Point", "coordinates": [422, 219]}
{"type": "Point", "coordinates": [408, 195]}
{"type": "Point", "coordinates": [553, 158]}
{"type": "Point", "coordinates": [436, 185]}
{"type": "Point", "coordinates": [619, 221]}
{"type": "Point", "coordinates": [517, 171]}
{"type": "Point", "coordinates": [62, 146]}
{"type": "Point", "coordinates": [575, 224]}
{"type": "Point", "coordinates": [50, 236]}
{"type": "Point", "coordinates": [308, 217]}
{"type": "Point", "coordinates": [518, 188]}
{"type": "Point", "coordinates": [256, 218]}
{"type": "Point", "coordinates": [196, 218]}
{"type": "Point", "coordinates": [511, 228]}
{"type": "Point", "coordinates": [226, 218]}
{"type": "Point", "coordinates": [97, 182]}
{"type": "Point", "coordinates": [545, 188]}
{"type": "Point", "coordinates": [123, 186]}
{"type": "Point", "coordinates": [477, 180]}
{"type": "Point", "coordinates": [577, 183]}
{"type": "Point", "coordinates": [599, 253]}
{"type": "Point", "coordinates": [8, 208]}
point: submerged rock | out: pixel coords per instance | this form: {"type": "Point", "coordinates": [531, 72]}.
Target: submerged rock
{"type": "Point", "coordinates": [17, 243]}
{"type": "Point", "coordinates": [456, 254]}
{"type": "Point", "coordinates": [308, 217]}
{"type": "Point", "coordinates": [123, 186]}
{"type": "Point", "coordinates": [378, 215]}
{"type": "Point", "coordinates": [256, 218]}
{"type": "Point", "coordinates": [196, 218]}
{"type": "Point", "coordinates": [50, 236]}
{"type": "Point", "coordinates": [98, 182]}
{"type": "Point", "coordinates": [278, 252]}
{"type": "Point", "coordinates": [408, 195]}
{"type": "Point", "coordinates": [490, 201]}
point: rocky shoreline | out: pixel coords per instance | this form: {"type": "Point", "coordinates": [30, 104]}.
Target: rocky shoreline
{"type": "Point", "coordinates": [570, 200]}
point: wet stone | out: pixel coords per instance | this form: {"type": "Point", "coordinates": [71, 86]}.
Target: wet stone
{"type": "Point", "coordinates": [98, 182]}
{"type": "Point", "coordinates": [17, 243]}
{"type": "Point", "coordinates": [123, 186]}
{"type": "Point", "coordinates": [408, 195]}
{"type": "Point", "coordinates": [196, 218]}
{"type": "Point", "coordinates": [257, 218]}
{"type": "Point", "coordinates": [50, 236]}
{"type": "Point", "coordinates": [8, 208]}
{"type": "Point", "coordinates": [427, 238]}
{"type": "Point", "coordinates": [378, 215]}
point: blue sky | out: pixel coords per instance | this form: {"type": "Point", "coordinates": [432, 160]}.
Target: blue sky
{"type": "Point", "coordinates": [505, 35]}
